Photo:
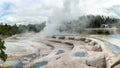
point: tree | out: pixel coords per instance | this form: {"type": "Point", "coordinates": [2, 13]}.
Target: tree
{"type": "Point", "coordinates": [3, 55]}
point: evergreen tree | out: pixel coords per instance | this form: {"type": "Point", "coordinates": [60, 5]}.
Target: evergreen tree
{"type": "Point", "coordinates": [3, 55]}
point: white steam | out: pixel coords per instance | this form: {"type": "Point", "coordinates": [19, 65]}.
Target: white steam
{"type": "Point", "coordinates": [72, 9]}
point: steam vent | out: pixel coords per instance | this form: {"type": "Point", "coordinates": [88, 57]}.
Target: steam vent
{"type": "Point", "coordinates": [66, 51]}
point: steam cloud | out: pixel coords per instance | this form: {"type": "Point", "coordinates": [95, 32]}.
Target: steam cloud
{"type": "Point", "coordinates": [72, 9]}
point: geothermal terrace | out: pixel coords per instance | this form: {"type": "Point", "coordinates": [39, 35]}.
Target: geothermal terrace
{"type": "Point", "coordinates": [66, 51]}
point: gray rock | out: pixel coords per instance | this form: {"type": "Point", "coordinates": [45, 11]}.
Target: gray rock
{"type": "Point", "coordinates": [97, 48]}
{"type": "Point", "coordinates": [97, 61]}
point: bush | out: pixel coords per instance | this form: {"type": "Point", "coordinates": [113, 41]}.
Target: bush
{"type": "Point", "coordinates": [3, 56]}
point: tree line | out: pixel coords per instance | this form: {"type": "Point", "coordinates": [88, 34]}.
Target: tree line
{"type": "Point", "coordinates": [97, 21]}
{"type": "Point", "coordinates": [8, 30]}
{"type": "Point", "coordinates": [89, 21]}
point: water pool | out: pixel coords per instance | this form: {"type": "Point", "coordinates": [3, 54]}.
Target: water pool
{"type": "Point", "coordinates": [80, 54]}
{"type": "Point", "coordinates": [40, 64]}
{"type": "Point", "coordinates": [60, 52]}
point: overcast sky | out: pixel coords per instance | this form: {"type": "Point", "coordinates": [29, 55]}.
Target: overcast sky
{"type": "Point", "coordinates": [35, 11]}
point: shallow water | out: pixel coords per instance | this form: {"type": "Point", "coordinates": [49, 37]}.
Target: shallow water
{"type": "Point", "coordinates": [20, 64]}
{"type": "Point", "coordinates": [13, 63]}
{"type": "Point", "coordinates": [114, 36]}
{"type": "Point", "coordinates": [40, 64]}
{"type": "Point", "coordinates": [60, 52]}
{"type": "Point", "coordinates": [113, 48]}
{"type": "Point", "coordinates": [80, 54]}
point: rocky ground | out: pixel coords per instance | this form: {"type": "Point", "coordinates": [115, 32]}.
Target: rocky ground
{"type": "Point", "coordinates": [77, 51]}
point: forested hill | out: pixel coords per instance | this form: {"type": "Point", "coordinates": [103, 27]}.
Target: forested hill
{"type": "Point", "coordinates": [97, 21]}
{"type": "Point", "coordinates": [90, 21]}
{"type": "Point", "coordinates": [8, 30]}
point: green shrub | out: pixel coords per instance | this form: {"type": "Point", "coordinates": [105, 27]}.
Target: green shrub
{"type": "Point", "coordinates": [3, 55]}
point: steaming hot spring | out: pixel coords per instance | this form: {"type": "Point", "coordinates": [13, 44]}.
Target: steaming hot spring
{"type": "Point", "coordinates": [72, 33]}
{"type": "Point", "coordinates": [62, 51]}
{"type": "Point", "coordinates": [24, 48]}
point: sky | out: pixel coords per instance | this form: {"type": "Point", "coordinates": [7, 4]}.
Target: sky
{"type": "Point", "coordinates": [26, 11]}
{"type": "Point", "coordinates": [36, 11]}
